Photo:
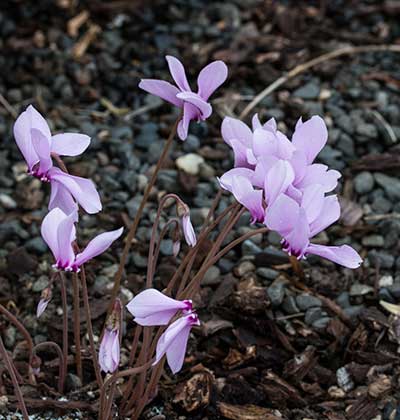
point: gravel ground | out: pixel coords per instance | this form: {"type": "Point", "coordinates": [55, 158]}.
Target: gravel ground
{"type": "Point", "coordinates": [249, 354]}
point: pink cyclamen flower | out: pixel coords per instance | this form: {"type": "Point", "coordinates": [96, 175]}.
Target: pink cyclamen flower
{"type": "Point", "coordinates": [195, 106]}
{"type": "Point", "coordinates": [58, 231]}
{"type": "Point", "coordinates": [298, 223]}
{"type": "Point", "coordinates": [37, 145]}
{"type": "Point", "coordinates": [109, 352]}
{"type": "Point", "coordinates": [152, 307]}
{"type": "Point", "coordinates": [44, 301]}
{"type": "Point", "coordinates": [173, 341]}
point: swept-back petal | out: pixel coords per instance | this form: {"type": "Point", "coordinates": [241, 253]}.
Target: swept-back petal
{"type": "Point", "coordinates": [60, 197]}
{"type": "Point", "coordinates": [255, 122]}
{"type": "Point", "coordinates": [318, 173]}
{"type": "Point", "coordinates": [232, 128]}
{"type": "Point", "coordinates": [263, 166]}
{"type": "Point", "coordinates": [188, 230]}
{"type": "Point", "coordinates": [190, 112]}
{"type": "Point", "coordinates": [49, 229]}
{"type": "Point", "coordinates": [97, 246]}
{"type": "Point", "coordinates": [83, 190]}
{"type": "Point", "coordinates": [163, 89]}
{"type": "Point", "coordinates": [211, 78]}
{"type": "Point", "coordinates": [66, 234]}
{"type": "Point", "coordinates": [154, 308]}
{"type": "Point", "coordinates": [329, 213]}
{"type": "Point", "coordinates": [22, 134]}
{"type": "Point", "coordinates": [178, 73]}
{"type": "Point", "coordinates": [277, 180]}
{"type": "Point", "coordinates": [69, 144]}
{"type": "Point", "coordinates": [282, 215]}
{"type": "Point", "coordinates": [310, 137]}
{"type": "Point", "coordinates": [298, 239]}
{"type": "Point", "coordinates": [226, 179]}
{"type": "Point", "coordinates": [344, 255]}
{"type": "Point", "coordinates": [194, 99]}
{"type": "Point", "coordinates": [313, 201]}
{"type": "Point", "coordinates": [41, 144]}
{"type": "Point", "coordinates": [250, 198]}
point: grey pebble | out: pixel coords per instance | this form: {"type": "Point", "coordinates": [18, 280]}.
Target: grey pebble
{"type": "Point", "coordinates": [305, 301]}
{"type": "Point", "coordinates": [364, 182]}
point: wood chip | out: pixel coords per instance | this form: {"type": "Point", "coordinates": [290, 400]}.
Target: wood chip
{"type": "Point", "coordinates": [84, 42]}
{"type": "Point", "coordinates": [247, 412]}
{"type": "Point", "coordinates": [76, 22]}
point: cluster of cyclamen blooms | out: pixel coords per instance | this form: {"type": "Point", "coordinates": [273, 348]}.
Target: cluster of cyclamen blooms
{"type": "Point", "coordinates": [274, 178]}
{"type": "Point", "coordinates": [277, 181]}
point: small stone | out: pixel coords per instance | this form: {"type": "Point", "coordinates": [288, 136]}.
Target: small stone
{"type": "Point", "coordinates": [10, 335]}
{"type": "Point", "coordinates": [312, 315]}
{"type": "Point", "coordinates": [250, 248]}
{"type": "Point", "coordinates": [190, 163]}
{"type": "Point", "coordinates": [359, 289]}
{"type": "Point", "coordinates": [373, 241]}
{"type": "Point", "coordinates": [243, 268]}
{"type": "Point", "coordinates": [276, 292]}
{"type": "Point", "coordinates": [385, 295]}
{"type": "Point", "coordinates": [289, 305]}
{"type": "Point", "coordinates": [309, 91]}
{"type": "Point", "coordinates": [41, 283]}
{"type": "Point", "coordinates": [166, 247]}
{"type": "Point", "coordinates": [7, 202]}
{"type": "Point", "coordinates": [364, 182]}
{"type": "Point", "coordinates": [306, 301]}
{"type": "Point", "coordinates": [267, 273]}
{"type": "Point", "coordinates": [343, 300]}
{"type": "Point", "coordinates": [367, 130]}
{"type": "Point", "coordinates": [390, 184]}
{"type": "Point", "coordinates": [353, 311]}
{"type": "Point", "coordinates": [381, 258]}
{"type": "Point", "coordinates": [191, 144]}
{"type": "Point", "coordinates": [344, 379]}
{"type": "Point", "coordinates": [321, 323]}
{"type": "Point", "coordinates": [36, 245]}
{"type": "Point", "coordinates": [395, 290]}
{"type": "Point", "coordinates": [212, 276]}
{"type": "Point", "coordinates": [386, 281]}
{"type": "Point", "coordinates": [72, 382]}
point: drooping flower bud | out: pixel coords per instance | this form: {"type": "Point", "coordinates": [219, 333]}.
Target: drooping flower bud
{"type": "Point", "coordinates": [45, 298]}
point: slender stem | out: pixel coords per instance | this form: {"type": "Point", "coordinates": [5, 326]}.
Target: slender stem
{"type": "Point", "coordinates": [65, 322]}
{"type": "Point", "coordinates": [61, 372]}
{"type": "Point", "coordinates": [135, 224]}
{"type": "Point", "coordinates": [10, 367]}
{"type": "Point", "coordinates": [77, 326]}
{"type": "Point", "coordinates": [19, 326]}
{"type": "Point", "coordinates": [89, 327]}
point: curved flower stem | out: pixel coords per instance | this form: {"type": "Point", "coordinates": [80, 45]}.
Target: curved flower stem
{"type": "Point", "coordinates": [19, 326]}
{"type": "Point", "coordinates": [89, 327]}
{"type": "Point", "coordinates": [135, 224]}
{"type": "Point", "coordinates": [10, 367]}
{"type": "Point", "coordinates": [65, 322]}
{"type": "Point", "coordinates": [56, 347]}
{"type": "Point", "coordinates": [77, 326]}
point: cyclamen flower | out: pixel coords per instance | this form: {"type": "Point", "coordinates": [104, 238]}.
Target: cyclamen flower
{"type": "Point", "coordinates": [58, 231]}
{"type": "Point", "coordinates": [37, 144]}
{"type": "Point", "coordinates": [195, 106]}
{"type": "Point", "coordinates": [151, 308]}
{"type": "Point", "coordinates": [109, 352]}
{"type": "Point", "coordinates": [298, 223]}
{"type": "Point", "coordinates": [45, 298]}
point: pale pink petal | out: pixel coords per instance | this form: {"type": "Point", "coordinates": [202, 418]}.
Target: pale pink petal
{"type": "Point", "coordinates": [177, 350]}
{"type": "Point", "coordinates": [151, 303]}
{"type": "Point", "coordinates": [299, 165]}
{"type": "Point", "coordinates": [344, 255]}
{"type": "Point", "coordinates": [310, 137]}
{"type": "Point", "coordinates": [233, 128]}
{"type": "Point", "coordinates": [66, 234]}
{"type": "Point", "coordinates": [241, 154]}
{"type": "Point", "coordinates": [162, 89]}
{"type": "Point", "coordinates": [60, 197]}
{"type": "Point", "coordinates": [109, 352]}
{"type": "Point", "coordinates": [313, 201]}
{"type": "Point", "coordinates": [190, 112]}
{"type": "Point", "coordinates": [178, 73]}
{"type": "Point", "coordinates": [277, 180]}
{"type": "Point", "coordinates": [22, 134]}
{"type": "Point", "coordinates": [41, 144]}
{"type": "Point", "coordinates": [49, 230]}
{"type": "Point", "coordinates": [297, 240]}
{"type": "Point", "coordinates": [255, 122]}
{"type": "Point", "coordinates": [329, 214]}
{"type": "Point", "coordinates": [270, 125]}
{"type": "Point", "coordinates": [285, 148]}
{"type": "Point", "coordinates": [188, 230]}
{"type": "Point", "coordinates": [264, 143]}
{"type": "Point", "coordinates": [194, 99]}
{"type": "Point", "coordinates": [211, 78]}
{"type": "Point", "coordinates": [282, 215]}
{"type": "Point", "coordinates": [83, 190]}
{"type": "Point", "coordinates": [69, 144]}
{"type": "Point", "coordinates": [263, 166]}
{"type": "Point", "coordinates": [294, 193]}
{"type": "Point", "coordinates": [41, 307]}
{"type": "Point", "coordinates": [318, 173]}
{"type": "Point", "coordinates": [250, 198]}
{"type": "Point", "coordinates": [97, 246]}
{"type": "Point", "coordinates": [226, 179]}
